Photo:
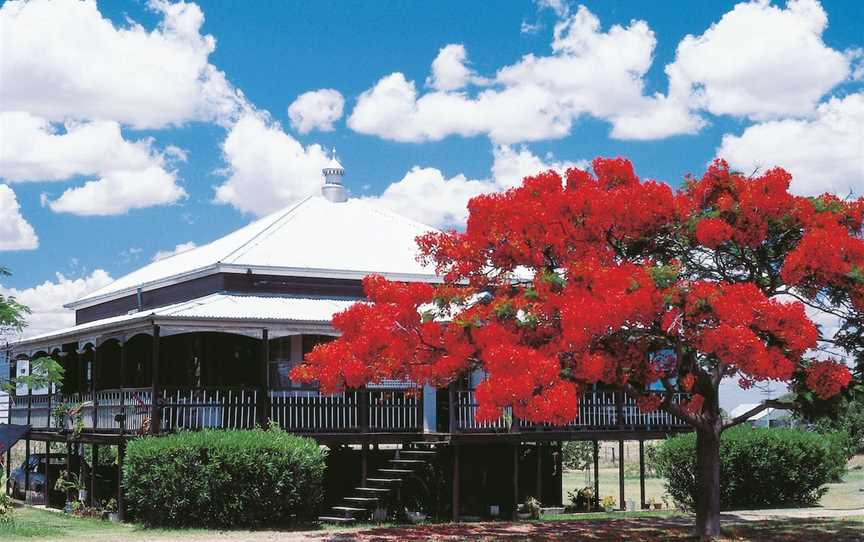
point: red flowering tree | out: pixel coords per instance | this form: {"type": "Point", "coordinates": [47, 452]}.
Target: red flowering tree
{"type": "Point", "coordinates": [602, 277]}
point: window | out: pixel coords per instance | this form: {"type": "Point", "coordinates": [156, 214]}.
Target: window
{"type": "Point", "coordinates": [285, 353]}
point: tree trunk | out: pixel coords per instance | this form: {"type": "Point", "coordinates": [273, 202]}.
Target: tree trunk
{"type": "Point", "coordinates": [708, 481]}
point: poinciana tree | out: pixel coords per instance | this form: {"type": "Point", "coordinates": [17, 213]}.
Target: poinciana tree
{"type": "Point", "coordinates": [601, 277]}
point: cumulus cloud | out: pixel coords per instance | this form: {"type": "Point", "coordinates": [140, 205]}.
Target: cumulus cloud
{"type": "Point", "coordinates": [316, 110]}
{"type": "Point", "coordinates": [425, 195]}
{"type": "Point", "coordinates": [129, 174]}
{"type": "Point", "coordinates": [823, 154]}
{"type": "Point", "coordinates": [46, 300]}
{"type": "Point", "coordinates": [760, 61]}
{"type": "Point", "coordinates": [428, 196]}
{"type": "Point", "coordinates": [182, 247]}
{"type": "Point", "coordinates": [120, 191]}
{"type": "Point", "coordinates": [64, 60]}
{"type": "Point", "coordinates": [450, 69]}
{"type": "Point", "coordinates": [15, 232]}
{"type": "Point", "coordinates": [511, 165]}
{"type": "Point", "coordinates": [590, 72]}
{"type": "Point", "coordinates": [267, 168]}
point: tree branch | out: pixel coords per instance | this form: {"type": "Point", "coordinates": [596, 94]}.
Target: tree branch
{"type": "Point", "coordinates": [771, 403]}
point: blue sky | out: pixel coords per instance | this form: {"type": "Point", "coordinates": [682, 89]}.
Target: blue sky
{"type": "Point", "coordinates": [781, 82]}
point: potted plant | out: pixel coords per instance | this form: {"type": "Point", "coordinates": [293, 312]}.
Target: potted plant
{"type": "Point", "coordinates": [530, 509]}
{"type": "Point", "coordinates": [608, 503]}
{"type": "Point", "coordinates": [654, 504]}
{"type": "Point", "coordinates": [68, 482]}
{"type": "Point", "coordinates": [110, 511]}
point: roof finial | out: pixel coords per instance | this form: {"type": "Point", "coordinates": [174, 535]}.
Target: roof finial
{"type": "Point", "coordinates": [333, 172]}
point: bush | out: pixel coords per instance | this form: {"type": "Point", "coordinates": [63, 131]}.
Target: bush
{"type": "Point", "coordinates": [223, 478]}
{"type": "Point", "coordinates": [759, 468]}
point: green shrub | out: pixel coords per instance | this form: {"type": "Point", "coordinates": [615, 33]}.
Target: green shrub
{"type": "Point", "coordinates": [759, 468]}
{"type": "Point", "coordinates": [577, 454]}
{"type": "Point", "coordinates": [223, 478]}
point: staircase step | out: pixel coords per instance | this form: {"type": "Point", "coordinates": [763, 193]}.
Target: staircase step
{"type": "Point", "coordinates": [373, 489]}
{"type": "Point", "coordinates": [349, 509]}
{"type": "Point", "coordinates": [384, 480]}
{"type": "Point", "coordinates": [419, 452]}
{"type": "Point", "coordinates": [396, 471]}
{"type": "Point", "coordinates": [362, 500]}
{"type": "Point", "coordinates": [409, 461]}
{"type": "Point", "coordinates": [334, 519]}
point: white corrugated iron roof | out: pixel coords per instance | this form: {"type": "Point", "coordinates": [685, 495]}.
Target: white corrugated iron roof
{"type": "Point", "coordinates": [274, 308]}
{"type": "Point", "coordinates": [312, 238]}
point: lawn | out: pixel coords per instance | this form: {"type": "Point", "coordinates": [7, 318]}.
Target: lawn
{"type": "Point", "coordinates": [843, 495]}
{"type": "Point", "coordinates": [33, 524]}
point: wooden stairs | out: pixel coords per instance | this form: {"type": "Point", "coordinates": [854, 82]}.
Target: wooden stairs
{"type": "Point", "coordinates": [384, 486]}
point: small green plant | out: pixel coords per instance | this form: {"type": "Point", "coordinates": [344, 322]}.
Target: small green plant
{"type": "Point", "coordinates": [6, 515]}
{"type": "Point", "coordinates": [68, 481]}
{"type": "Point", "coordinates": [608, 502]}
{"type": "Point", "coordinates": [110, 505]}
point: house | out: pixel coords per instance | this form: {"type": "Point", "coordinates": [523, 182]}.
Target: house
{"type": "Point", "coordinates": [207, 338]}
{"type": "Point", "coordinates": [770, 417]}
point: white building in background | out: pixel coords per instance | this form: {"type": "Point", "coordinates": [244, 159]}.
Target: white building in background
{"type": "Point", "coordinates": [770, 417]}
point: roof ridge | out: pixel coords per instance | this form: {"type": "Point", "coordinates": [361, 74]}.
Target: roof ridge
{"type": "Point", "coordinates": [237, 252]}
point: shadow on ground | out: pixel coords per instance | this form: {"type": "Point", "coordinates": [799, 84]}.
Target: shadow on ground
{"type": "Point", "coordinates": [634, 529]}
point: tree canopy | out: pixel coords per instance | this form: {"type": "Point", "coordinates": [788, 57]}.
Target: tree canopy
{"type": "Point", "coordinates": [603, 277]}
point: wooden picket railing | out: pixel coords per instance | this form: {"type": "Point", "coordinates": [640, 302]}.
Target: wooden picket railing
{"type": "Point", "coordinates": [377, 409]}
{"type": "Point", "coordinates": [597, 411]}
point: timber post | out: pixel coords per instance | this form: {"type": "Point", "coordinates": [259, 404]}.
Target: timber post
{"type": "Point", "coordinates": [94, 374]}
{"type": "Point", "coordinates": [516, 480]}
{"type": "Point", "coordinates": [642, 473]}
{"type": "Point", "coordinates": [69, 496]}
{"type": "Point", "coordinates": [451, 410]}
{"type": "Point", "coordinates": [94, 448]}
{"type": "Point", "coordinates": [27, 465]}
{"type": "Point", "coordinates": [454, 489]}
{"type": "Point", "coordinates": [155, 403]}
{"type": "Point", "coordinates": [8, 469]}
{"type": "Point", "coordinates": [539, 489]}
{"type": "Point", "coordinates": [621, 474]}
{"type": "Point", "coordinates": [596, 475]}
{"type": "Point", "coordinates": [121, 455]}
{"type": "Point", "coordinates": [263, 405]}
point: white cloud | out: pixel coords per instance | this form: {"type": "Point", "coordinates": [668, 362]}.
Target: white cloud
{"type": "Point", "coordinates": [590, 72]}
{"type": "Point", "coordinates": [129, 175]}
{"type": "Point", "coordinates": [316, 110]}
{"type": "Point", "coordinates": [182, 247]}
{"type": "Point", "coordinates": [146, 79]}
{"type": "Point", "coordinates": [823, 154]}
{"type": "Point", "coordinates": [760, 61]}
{"type": "Point", "coordinates": [267, 168]}
{"type": "Point", "coordinates": [450, 69]}
{"type": "Point", "coordinates": [120, 191]}
{"type": "Point", "coordinates": [46, 300]}
{"type": "Point", "coordinates": [15, 232]}
{"type": "Point", "coordinates": [510, 166]}
{"type": "Point", "coordinates": [426, 195]}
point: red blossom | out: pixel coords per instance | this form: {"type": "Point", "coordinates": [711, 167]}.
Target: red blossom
{"type": "Point", "coordinates": [827, 378]}
{"type": "Point", "coordinates": [605, 278]}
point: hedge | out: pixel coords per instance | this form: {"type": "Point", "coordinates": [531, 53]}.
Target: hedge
{"type": "Point", "coordinates": [223, 478]}
{"type": "Point", "coordinates": [759, 468]}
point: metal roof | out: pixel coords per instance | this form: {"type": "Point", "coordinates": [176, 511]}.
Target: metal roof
{"type": "Point", "coordinates": [216, 307]}
{"type": "Point", "coordinates": [315, 237]}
